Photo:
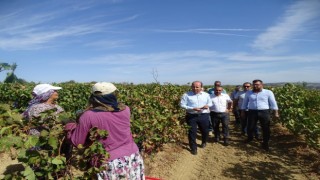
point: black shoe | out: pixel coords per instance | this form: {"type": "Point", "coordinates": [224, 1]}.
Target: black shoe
{"type": "Point", "coordinates": [216, 139]}
{"type": "Point", "coordinates": [247, 141]}
{"type": "Point", "coordinates": [203, 145]}
{"type": "Point", "coordinates": [265, 146]}
{"type": "Point", "coordinates": [194, 152]}
{"type": "Point", "coordinates": [257, 138]}
{"type": "Point", "coordinates": [226, 143]}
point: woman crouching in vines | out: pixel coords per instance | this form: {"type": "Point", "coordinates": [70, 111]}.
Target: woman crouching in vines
{"type": "Point", "coordinates": [105, 113]}
{"type": "Point", "coordinates": [44, 99]}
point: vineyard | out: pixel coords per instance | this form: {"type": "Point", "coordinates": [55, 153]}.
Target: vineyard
{"type": "Point", "coordinates": [156, 119]}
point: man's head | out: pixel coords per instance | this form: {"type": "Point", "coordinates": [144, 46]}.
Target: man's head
{"type": "Point", "coordinates": [257, 85]}
{"type": "Point", "coordinates": [218, 90]}
{"type": "Point", "coordinates": [196, 87]}
{"type": "Point", "coordinates": [237, 88]}
{"type": "Point", "coordinates": [217, 83]}
{"type": "Point", "coordinates": [246, 86]}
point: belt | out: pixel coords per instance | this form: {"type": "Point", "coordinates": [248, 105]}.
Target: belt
{"type": "Point", "coordinates": [258, 110]}
{"type": "Point", "coordinates": [218, 112]}
{"type": "Point", "coordinates": [200, 114]}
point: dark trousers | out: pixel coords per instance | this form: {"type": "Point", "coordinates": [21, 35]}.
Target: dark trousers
{"type": "Point", "coordinates": [263, 116]}
{"type": "Point", "coordinates": [194, 120]}
{"type": "Point", "coordinates": [244, 123]}
{"type": "Point", "coordinates": [222, 118]}
{"type": "Point", "coordinates": [236, 114]}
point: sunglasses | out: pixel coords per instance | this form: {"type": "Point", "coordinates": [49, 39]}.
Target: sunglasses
{"type": "Point", "coordinates": [246, 86]}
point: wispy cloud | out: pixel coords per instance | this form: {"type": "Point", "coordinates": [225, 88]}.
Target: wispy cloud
{"type": "Point", "coordinates": [246, 57]}
{"type": "Point", "coordinates": [212, 31]}
{"type": "Point", "coordinates": [197, 58]}
{"type": "Point", "coordinates": [109, 44]}
{"type": "Point", "coordinates": [295, 20]}
{"type": "Point", "coordinates": [22, 31]}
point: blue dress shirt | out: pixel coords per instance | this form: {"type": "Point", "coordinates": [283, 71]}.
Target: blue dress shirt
{"type": "Point", "coordinates": [191, 100]}
{"type": "Point", "coordinates": [262, 100]}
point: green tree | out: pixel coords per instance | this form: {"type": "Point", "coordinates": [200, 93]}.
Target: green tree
{"type": "Point", "coordinates": [4, 66]}
{"type": "Point", "coordinates": [11, 77]}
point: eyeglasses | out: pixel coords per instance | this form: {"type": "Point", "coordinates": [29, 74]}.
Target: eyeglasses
{"type": "Point", "coordinates": [246, 86]}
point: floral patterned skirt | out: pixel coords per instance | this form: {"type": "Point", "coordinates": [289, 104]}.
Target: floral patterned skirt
{"type": "Point", "coordinates": [127, 167]}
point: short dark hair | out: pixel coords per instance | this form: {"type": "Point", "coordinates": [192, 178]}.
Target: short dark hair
{"type": "Point", "coordinates": [217, 82]}
{"type": "Point", "coordinates": [257, 80]}
{"type": "Point", "coordinates": [246, 83]}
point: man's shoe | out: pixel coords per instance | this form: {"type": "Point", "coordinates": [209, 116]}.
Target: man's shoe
{"type": "Point", "coordinates": [226, 143]}
{"type": "Point", "coordinates": [265, 146]}
{"type": "Point", "coordinates": [203, 145]}
{"type": "Point", "coordinates": [194, 152]}
{"type": "Point", "coordinates": [257, 138]}
{"type": "Point", "coordinates": [216, 139]}
{"type": "Point", "coordinates": [247, 141]}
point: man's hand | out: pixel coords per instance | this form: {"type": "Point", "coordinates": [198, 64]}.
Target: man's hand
{"type": "Point", "coordinates": [276, 114]}
{"type": "Point", "coordinates": [205, 107]}
{"type": "Point", "coordinates": [197, 109]}
{"type": "Point", "coordinates": [243, 115]}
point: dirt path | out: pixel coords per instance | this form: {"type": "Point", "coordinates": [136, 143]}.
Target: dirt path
{"type": "Point", "coordinates": [288, 158]}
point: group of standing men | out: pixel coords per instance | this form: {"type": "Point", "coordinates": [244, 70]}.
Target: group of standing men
{"type": "Point", "coordinates": [210, 109]}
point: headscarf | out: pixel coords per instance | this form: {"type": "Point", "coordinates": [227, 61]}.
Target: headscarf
{"type": "Point", "coordinates": [37, 99]}
{"type": "Point", "coordinates": [107, 102]}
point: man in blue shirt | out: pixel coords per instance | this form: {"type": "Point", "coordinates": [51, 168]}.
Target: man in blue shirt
{"type": "Point", "coordinates": [235, 109]}
{"type": "Point", "coordinates": [216, 84]}
{"type": "Point", "coordinates": [197, 103]}
{"type": "Point", "coordinates": [238, 102]}
{"type": "Point", "coordinates": [259, 101]}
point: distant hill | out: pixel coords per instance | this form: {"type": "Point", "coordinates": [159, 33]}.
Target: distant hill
{"type": "Point", "coordinates": [305, 84]}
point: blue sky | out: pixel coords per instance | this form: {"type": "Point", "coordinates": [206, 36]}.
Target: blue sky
{"type": "Point", "coordinates": [175, 41]}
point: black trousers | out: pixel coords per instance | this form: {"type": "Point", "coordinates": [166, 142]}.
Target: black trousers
{"type": "Point", "coordinates": [263, 116]}
{"type": "Point", "coordinates": [195, 120]}
{"type": "Point", "coordinates": [222, 118]}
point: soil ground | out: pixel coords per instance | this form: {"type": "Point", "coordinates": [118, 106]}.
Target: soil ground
{"type": "Point", "coordinates": [289, 158]}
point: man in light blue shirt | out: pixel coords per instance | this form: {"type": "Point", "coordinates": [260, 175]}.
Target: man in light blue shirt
{"type": "Point", "coordinates": [197, 103]}
{"type": "Point", "coordinates": [259, 101]}
{"type": "Point", "coordinates": [238, 102]}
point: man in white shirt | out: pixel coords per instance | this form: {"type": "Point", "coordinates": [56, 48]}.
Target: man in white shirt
{"type": "Point", "coordinates": [219, 113]}
{"type": "Point", "coordinates": [197, 103]}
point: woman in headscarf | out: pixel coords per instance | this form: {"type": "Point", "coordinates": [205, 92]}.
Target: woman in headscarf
{"type": "Point", "coordinates": [44, 99]}
{"type": "Point", "coordinates": [105, 113]}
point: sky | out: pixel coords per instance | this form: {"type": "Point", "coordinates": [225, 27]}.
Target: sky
{"type": "Point", "coordinates": [165, 41]}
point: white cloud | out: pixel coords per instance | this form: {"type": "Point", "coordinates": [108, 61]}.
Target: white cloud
{"type": "Point", "coordinates": [212, 31]}
{"type": "Point", "coordinates": [23, 31]}
{"type": "Point", "coordinates": [294, 21]}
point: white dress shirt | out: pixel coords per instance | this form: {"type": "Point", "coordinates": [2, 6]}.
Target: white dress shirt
{"type": "Point", "coordinates": [220, 103]}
